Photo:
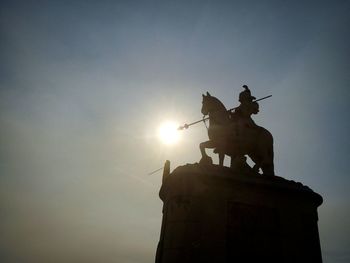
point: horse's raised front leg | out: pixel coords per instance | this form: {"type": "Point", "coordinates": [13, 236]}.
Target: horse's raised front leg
{"type": "Point", "coordinates": [205, 158]}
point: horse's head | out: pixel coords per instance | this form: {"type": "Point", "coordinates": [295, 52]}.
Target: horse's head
{"type": "Point", "coordinates": [206, 104]}
{"type": "Point", "coordinates": [211, 104]}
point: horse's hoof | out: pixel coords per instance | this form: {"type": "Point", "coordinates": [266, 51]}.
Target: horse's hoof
{"type": "Point", "coordinates": [207, 160]}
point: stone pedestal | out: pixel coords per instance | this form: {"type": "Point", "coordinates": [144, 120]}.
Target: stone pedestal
{"type": "Point", "coordinates": [212, 214]}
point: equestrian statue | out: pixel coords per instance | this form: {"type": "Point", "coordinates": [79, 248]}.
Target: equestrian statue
{"type": "Point", "coordinates": [234, 133]}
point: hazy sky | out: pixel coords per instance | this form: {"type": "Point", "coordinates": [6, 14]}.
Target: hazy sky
{"type": "Point", "coordinates": [84, 86]}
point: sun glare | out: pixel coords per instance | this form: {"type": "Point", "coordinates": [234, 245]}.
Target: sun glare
{"type": "Point", "coordinates": [168, 133]}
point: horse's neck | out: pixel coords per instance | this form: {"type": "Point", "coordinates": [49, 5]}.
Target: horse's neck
{"type": "Point", "coordinates": [219, 118]}
{"type": "Point", "coordinates": [218, 114]}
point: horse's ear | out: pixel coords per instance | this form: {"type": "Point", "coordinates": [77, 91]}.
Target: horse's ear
{"type": "Point", "coordinates": [208, 94]}
{"type": "Point", "coordinates": [203, 95]}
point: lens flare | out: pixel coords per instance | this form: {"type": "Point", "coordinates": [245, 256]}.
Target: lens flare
{"type": "Point", "coordinates": [168, 133]}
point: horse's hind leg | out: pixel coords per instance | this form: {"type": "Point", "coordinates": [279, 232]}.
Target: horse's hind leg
{"type": "Point", "coordinates": [268, 169]}
{"type": "Point", "coordinates": [221, 159]}
{"type": "Point", "coordinates": [267, 161]}
{"type": "Point", "coordinates": [267, 164]}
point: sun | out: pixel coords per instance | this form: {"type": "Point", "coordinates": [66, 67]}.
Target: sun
{"type": "Point", "coordinates": [168, 133]}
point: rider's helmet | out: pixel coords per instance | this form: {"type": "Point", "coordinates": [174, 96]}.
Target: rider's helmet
{"type": "Point", "coordinates": [246, 96]}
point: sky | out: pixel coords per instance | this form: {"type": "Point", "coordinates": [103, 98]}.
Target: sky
{"type": "Point", "coordinates": [84, 86]}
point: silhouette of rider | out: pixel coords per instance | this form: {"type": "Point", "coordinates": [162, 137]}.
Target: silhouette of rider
{"type": "Point", "coordinates": [247, 107]}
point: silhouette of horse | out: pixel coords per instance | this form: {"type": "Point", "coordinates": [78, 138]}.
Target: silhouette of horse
{"type": "Point", "coordinates": [233, 137]}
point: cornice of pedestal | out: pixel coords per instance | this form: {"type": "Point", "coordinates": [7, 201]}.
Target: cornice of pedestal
{"type": "Point", "coordinates": [190, 174]}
